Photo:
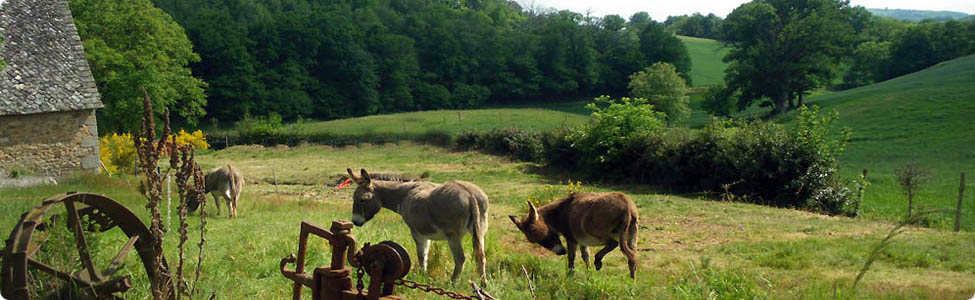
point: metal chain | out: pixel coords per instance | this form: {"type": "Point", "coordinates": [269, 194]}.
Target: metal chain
{"type": "Point", "coordinates": [359, 272]}
{"type": "Point", "coordinates": [410, 284]}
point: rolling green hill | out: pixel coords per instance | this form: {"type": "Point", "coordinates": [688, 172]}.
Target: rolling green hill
{"type": "Point", "coordinates": [706, 65]}
{"type": "Point", "coordinates": [917, 15]}
{"type": "Point", "coordinates": [927, 117]}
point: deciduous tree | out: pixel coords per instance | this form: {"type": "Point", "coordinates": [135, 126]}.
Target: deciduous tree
{"type": "Point", "coordinates": [784, 48]}
{"type": "Point", "coordinates": [131, 46]}
{"type": "Point", "coordinates": [663, 88]}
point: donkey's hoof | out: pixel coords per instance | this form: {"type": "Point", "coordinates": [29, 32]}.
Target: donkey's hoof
{"type": "Point", "coordinates": [599, 265]}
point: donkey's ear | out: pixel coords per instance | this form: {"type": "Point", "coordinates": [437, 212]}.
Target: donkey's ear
{"type": "Point", "coordinates": [515, 220]}
{"type": "Point", "coordinates": [532, 212]}
{"type": "Point", "coordinates": [365, 175]}
{"type": "Point", "coordinates": [353, 177]}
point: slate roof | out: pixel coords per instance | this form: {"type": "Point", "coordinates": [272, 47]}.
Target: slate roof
{"type": "Point", "coordinates": [46, 68]}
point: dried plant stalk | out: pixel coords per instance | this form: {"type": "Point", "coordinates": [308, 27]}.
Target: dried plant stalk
{"type": "Point", "coordinates": [151, 187]}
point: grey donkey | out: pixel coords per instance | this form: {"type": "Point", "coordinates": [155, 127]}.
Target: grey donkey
{"type": "Point", "coordinates": [226, 182]}
{"type": "Point", "coordinates": [432, 211]}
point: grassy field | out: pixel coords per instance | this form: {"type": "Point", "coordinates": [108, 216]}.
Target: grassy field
{"type": "Point", "coordinates": [688, 248]}
{"type": "Point", "coordinates": [540, 116]}
{"type": "Point", "coordinates": [925, 117]}
{"type": "Point", "coordinates": [706, 65]}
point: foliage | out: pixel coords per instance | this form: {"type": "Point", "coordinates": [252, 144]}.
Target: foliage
{"type": "Point", "coordinates": [551, 193]}
{"type": "Point", "coordinates": [612, 126]}
{"type": "Point", "coordinates": [132, 46]}
{"type": "Point", "coordinates": [869, 64]}
{"type": "Point", "coordinates": [695, 25]}
{"type": "Point", "coordinates": [755, 162]}
{"type": "Point", "coordinates": [196, 139]}
{"type": "Point", "coordinates": [436, 137]}
{"type": "Point", "coordinates": [117, 152]}
{"type": "Point", "coordinates": [719, 101]}
{"type": "Point", "coordinates": [663, 88]}
{"type": "Point", "coordinates": [253, 130]}
{"type": "Point", "coordinates": [523, 145]}
{"type": "Point", "coordinates": [658, 45]}
{"type": "Point", "coordinates": [782, 49]}
{"type": "Point", "coordinates": [332, 60]}
{"type": "Point", "coordinates": [926, 44]}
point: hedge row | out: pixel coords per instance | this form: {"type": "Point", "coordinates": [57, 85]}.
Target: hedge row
{"type": "Point", "coordinates": [755, 162]}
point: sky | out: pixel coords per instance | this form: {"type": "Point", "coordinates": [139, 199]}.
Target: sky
{"type": "Point", "coordinates": [660, 9]}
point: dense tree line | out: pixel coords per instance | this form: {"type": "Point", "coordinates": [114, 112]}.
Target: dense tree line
{"type": "Point", "coordinates": [339, 59]}
{"type": "Point", "coordinates": [887, 48]}
{"type": "Point", "coordinates": [780, 50]}
{"type": "Point", "coordinates": [696, 25]}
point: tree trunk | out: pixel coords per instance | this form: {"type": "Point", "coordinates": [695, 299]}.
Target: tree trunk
{"type": "Point", "coordinates": [800, 99]}
{"type": "Point", "coordinates": [779, 101]}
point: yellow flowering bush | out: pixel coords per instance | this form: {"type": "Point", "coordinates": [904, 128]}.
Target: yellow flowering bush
{"type": "Point", "coordinates": [195, 139]}
{"type": "Point", "coordinates": [117, 152]}
{"type": "Point", "coordinates": [550, 193]}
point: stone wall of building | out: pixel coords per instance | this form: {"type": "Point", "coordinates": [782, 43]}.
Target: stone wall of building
{"type": "Point", "coordinates": [49, 143]}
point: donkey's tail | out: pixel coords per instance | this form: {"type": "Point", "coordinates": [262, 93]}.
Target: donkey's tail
{"type": "Point", "coordinates": [628, 235]}
{"type": "Point", "coordinates": [628, 241]}
{"type": "Point", "coordinates": [233, 183]}
{"type": "Point", "coordinates": [479, 224]}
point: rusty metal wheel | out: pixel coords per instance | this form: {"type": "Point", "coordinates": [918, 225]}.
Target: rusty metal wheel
{"type": "Point", "coordinates": [38, 262]}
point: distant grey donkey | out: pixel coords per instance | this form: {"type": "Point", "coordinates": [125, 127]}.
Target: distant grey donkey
{"type": "Point", "coordinates": [226, 182]}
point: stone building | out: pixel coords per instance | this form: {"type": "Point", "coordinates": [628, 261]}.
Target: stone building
{"type": "Point", "coordinates": [47, 93]}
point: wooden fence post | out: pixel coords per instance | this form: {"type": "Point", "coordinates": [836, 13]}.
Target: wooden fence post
{"type": "Point", "coordinates": [863, 182]}
{"type": "Point", "coordinates": [961, 195]}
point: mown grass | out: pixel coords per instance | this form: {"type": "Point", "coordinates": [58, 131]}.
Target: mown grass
{"type": "Point", "coordinates": [707, 67]}
{"type": "Point", "coordinates": [689, 248]}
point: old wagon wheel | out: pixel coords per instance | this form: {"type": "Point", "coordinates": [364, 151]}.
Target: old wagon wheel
{"type": "Point", "coordinates": [32, 268]}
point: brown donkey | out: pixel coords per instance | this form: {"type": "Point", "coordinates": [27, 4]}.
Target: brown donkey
{"type": "Point", "coordinates": [585, 219]}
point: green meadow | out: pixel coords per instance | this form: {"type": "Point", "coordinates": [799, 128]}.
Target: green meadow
{"type": "Point", "coordinates": [707, 67]}
{"type": "Point", "coordinates": [689, 248]}
{"type": "Point", "coordinates": [926, 118]}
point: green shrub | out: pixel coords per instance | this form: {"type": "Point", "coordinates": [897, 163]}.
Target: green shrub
{"type": "Point", "coordinates": [519, 144]}
{"type": "Point", "coordinates": [436, 137]}
{"type": "Point", "coordinates": [757, 162]}
{"type": "Point", "coordinates": [612, 126]}
{"type": "Point", "coordinates": [557, 148]}
{"type": "Point", "coordinates": [253, 130]}
{"type": "Point", "coordinates": [466, 140]}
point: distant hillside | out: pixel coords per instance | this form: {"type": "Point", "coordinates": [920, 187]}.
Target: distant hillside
{"type": "Point", "coordinates": [706, 65]}
{"type": "Point", "coordinates": [917, 15]}
{"type": "Point", "coordinates": [924, 117]}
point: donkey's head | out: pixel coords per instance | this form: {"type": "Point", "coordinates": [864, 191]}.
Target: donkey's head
{"type": "Point", "coordinates": [365, 205]}
{"type": "Point", "coordinates": [538, 232]}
